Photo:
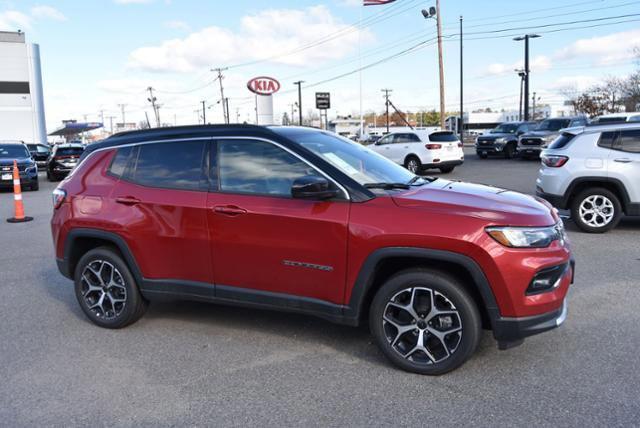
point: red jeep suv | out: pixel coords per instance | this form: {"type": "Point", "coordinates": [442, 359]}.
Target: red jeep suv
{"type": "Point", "coordinates": [302, 220]}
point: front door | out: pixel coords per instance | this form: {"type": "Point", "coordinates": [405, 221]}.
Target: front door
{"type": "Point", "coordinates": [624, 162]}
{"type": "Point", "coordinates": [262, 239]}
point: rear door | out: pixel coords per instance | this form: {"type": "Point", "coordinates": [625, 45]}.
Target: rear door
{"type": "Point", "coordinates": [263, 240]}
{"type": "Point", "coordinates": [160, 201]}
{"type": "Point", "coordinates": [624, 162]}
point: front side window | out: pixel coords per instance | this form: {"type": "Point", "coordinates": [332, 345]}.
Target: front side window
{"type": "Point", "coordinates": [629, 141]}
{"type": "Point", "coordinates": [258, 167]}
{"type": "Point", "coordinates": [354, 160]}
{"type": "Point", "coordinates": [176, 165]}
{"type": "Point", "coordinates": [385, 140]}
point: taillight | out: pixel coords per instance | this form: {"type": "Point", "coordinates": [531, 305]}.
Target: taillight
{"type": "Point", "coordinates": [59, 196]}
{"type": "Point", "coordinates": [433, 146]}
{"type": "Point", "coordinates": [460, 145]}
{"type": "Point", "coordinates": [554, 161]}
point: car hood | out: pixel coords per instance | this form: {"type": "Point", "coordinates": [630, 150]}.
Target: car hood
{"type": "Point", "coordinates": [540, 134]}
{"type": "Point", "coordinates": [9, 161]}
{"type": "Point", "coordinates": [493, 136]}
{"type": "Point", "coordinates": [497, 206]}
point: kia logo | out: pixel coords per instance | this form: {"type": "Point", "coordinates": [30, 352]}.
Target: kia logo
{"type": "Point", "coordinates": [263, 85]}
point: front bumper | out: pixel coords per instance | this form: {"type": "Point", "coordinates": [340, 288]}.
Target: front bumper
{"type": "Point", "coordinates": [25, 180]}
{"type": "Point", "coordinates": [557, 201]}
{"type": "Point", "coordinates": [524, 150]}
{"type": "Point", "coordinates": [511, 332]}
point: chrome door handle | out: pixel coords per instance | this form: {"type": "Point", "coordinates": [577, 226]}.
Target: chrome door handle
{"type": "Point", "coordinates": [623, 160]}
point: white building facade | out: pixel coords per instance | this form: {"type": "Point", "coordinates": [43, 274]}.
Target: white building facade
{"type": "Point", "coordinates": [21, 97]}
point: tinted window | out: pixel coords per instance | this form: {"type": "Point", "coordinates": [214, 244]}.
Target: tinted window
{"type": "Point", "coordinates": [120, 160]}
{"type": "Point", "coordinates": [634, 118]}
{"type": "Point", "coordinates": [523, 128]}
{"type": "Point", "coordinates": [553, 124]}
{"type": "Point", "coordinates": [406, 138]}
{"type": "Point", "coordinates": [170, 165]}
{"type": "Point", "coordinates": [42, 149]}
{"type": "Point", "coordinates": [258, 167]}
{"type": "Point", "coordinates": [13, 151]}
{"type": "Point", "coordinates": [385, 140]}
{"type": "Point", "coordinates": [579, 122]}
{"type": "Point", "coordinates": [443, 137]}
{"type": "Point", "coordinates": [607, 139]}
{"type": "Point", "coordinates": [69, 151]}
{"type": "Point", "coordinates": [505, 128]}
{"type": "Point", "coordinates": [562, 141]}
{"type": "Point", "coordinates": [629, 141]}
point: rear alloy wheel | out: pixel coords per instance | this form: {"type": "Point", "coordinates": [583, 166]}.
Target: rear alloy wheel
{"type": "Point", "coordinates": [413, 164]}
{"type": "Point", "coordinates": [425, 322]}
{"type": "Point", "coordinates": [106, 290]}
{"type": "Point", "coordinates": [596, 210]}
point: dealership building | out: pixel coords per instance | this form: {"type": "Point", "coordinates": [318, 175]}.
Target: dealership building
{"type": "Point", "coordinates": [21, 98]}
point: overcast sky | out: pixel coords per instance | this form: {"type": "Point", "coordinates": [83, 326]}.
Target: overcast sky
{"type": "Point", "coordinates": [101, 53]}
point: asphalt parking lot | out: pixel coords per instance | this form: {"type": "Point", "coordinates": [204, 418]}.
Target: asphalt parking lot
{"type": "Point", "coordinates": [197, 364]}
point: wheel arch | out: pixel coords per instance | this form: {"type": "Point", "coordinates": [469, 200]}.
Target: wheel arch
{"type": "Point", "coordinates": [612, 184]}
{"type": "Point", "coordinates": [411, 155]}
{"type": "Point", "coordinates": [385, 262]}
{"type": "Point", "coordinates": [79, 241]}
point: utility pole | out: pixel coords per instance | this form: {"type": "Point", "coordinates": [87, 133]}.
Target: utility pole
{"type": "Point", "coordinates": [111, 123]}
{"type": "Point", "coordinates": [152, 99]}
{"type": "Point", "coordinates": [122, 106]}
{"type": "Point", "coordinates": [386, 103]}
{"type": "Point", "coordinates": [102, 116]}
{"type": "Point", "coordinates": [533, 110]}
{"type": "Point", "coordinates": [299, 83]}
{"type": "Point", "coordinates": [225, 110]}
{"type": "Point", "coordinates": [527, 70]}
{"type": "Point", "coordinates": [461, 123]}
{"type": "Point", "coordinates": [204, 112]}
{"type": "Point", "coordinates": [440, 63]}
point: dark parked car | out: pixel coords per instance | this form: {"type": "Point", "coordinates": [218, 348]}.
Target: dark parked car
{"type": "Point", "coordinates": [302, 220]}
{"type": "Point", "coordinates": [502, 140]}
{"type": "Point", "coordinates": [40, 153]}
{"type": "Point", "coordinates": [532, 143]}
{"type": "Point", "coordinates": [18, 151]}
{"type": "Point", "coordinates": [63, 158]}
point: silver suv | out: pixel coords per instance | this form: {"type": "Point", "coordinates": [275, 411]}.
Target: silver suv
{"type": "Point", "coordinates": [595, 172]}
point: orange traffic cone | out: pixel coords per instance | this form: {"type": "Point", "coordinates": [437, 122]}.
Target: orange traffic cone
{"type": "Point", "coordinates": [17, 198]}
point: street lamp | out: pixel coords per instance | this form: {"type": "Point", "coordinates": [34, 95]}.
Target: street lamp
{"type": "Point", "coordinates": [527, 70]}
{"type": "Point", "coordinates": [434, 12]}
{"type": "Point", "coordinates": [522, 74]}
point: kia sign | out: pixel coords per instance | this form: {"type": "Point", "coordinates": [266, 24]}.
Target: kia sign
{"type": "Point", "coordinates": [323, 100]}
{"type": "Point", "coordinates": [263, 85]}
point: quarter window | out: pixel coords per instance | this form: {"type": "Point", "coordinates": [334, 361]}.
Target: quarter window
{"type": "Point", "coordinates": [607, 139]}
{"type": "Point", "coordinates": [176, 165]}
{"type": "Point", "coordinates": [119, 162]}
{"type": "Point", "coordinates": [257, 167]}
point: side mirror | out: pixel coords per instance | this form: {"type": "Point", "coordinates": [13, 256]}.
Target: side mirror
{"type": "Point", "coordinates": [312, 187]}
{"type": "Point", "coordinates": [519, 133]}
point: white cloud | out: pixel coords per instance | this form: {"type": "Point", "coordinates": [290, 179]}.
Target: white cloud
{"type": "Point", "coordinates": [264, 35]}
{"type": "Point", "coordinates": [604, 49]}
{"type": "Point", "coordinates": [47, 12]}
{"type": "Point", "coordinates": [12, 20]}
{"type": "Point", "coordinates": [133, 1]}
{"type": "Point", "coordinates": [538, 64]}
{"type": "Point", "coordinates": [177, 25]}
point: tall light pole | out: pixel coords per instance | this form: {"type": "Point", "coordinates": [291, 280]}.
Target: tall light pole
{"type": "Point", "coordinates": [299, 83]}
{"type": "Point", "coordinates": [521, 73]}
{"type": "Point", "coordinates": [434, 12]}
{"type": "Point", "coordinates": [527, 70]}
{"type": "Point", "coordinates": [461, 85]}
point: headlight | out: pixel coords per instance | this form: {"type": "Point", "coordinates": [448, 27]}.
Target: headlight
{"type": "Point", "coordinates": [528, 237]}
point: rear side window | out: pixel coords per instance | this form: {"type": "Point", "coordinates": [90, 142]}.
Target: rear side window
{"type": "Point", "coordinates": [176, 165]}
{"type": "Point", "coordinates": [607, 139]}
{"type": "Point", "coordinates": [443, 137]}
{"type": "Point", "coordinates": [629, 141]}
{"type": "Point", "coordinates": [562, 141]}
{"type": "Point", "coordinates": [120, 161]}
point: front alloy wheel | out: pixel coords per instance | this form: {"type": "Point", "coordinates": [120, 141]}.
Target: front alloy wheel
{"type": "Point", "coordinates": [413, 165]}
{"type": "Point", "coordinates": [425, 322]}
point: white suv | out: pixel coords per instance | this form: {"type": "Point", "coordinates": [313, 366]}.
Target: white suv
{"type": "Point", "coordinates": [595, 172]}
{"type": "Point", "coordinates": [420, 150]}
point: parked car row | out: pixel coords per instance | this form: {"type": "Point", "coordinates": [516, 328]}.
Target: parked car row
{"type": "Point", "coordinates": [58, 162]}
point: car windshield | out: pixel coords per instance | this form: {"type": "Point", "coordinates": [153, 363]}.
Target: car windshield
{"type": "Point", "coordinates": [358, 162]}
{"type": "Point", "coordinates": [13, 151]}
{"type": "Point", "coordinates": [69, 151]}
{"type": "Point", "coordinates": [505, 128]}
{"type": "Point", "coordinates": [553, 124]}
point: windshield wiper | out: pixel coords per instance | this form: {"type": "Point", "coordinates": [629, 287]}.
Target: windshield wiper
{"type": "Point", "coordinates": [387, 186]}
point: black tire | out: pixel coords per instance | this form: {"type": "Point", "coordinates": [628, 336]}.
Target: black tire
{"type": "Point", "coordinates": [35, 186]}
{"type": "Point", "coordinates": [49, 176]}
{"type": "Point", "coordinates": [509, 151]}
{"type": "Point", "coordinates": [482, 155]}
{"type": "Point", "coordinates": [582, 221]}
{"type": "Point", "coordinates": [451, 289]}
{"type": "Point", "coordinates": [447, 169]}
{"type": "Point", "coordinates": [413, 160]}
{"type": "Point", "coordinates": [123, 314]}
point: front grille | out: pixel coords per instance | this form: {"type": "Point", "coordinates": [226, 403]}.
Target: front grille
{"type": "Point", "coordinates": [9, 168]}
{"type": "Point", "coordinates": [531, 142]}
{"type": "Point", "coordinates": [482, 142]}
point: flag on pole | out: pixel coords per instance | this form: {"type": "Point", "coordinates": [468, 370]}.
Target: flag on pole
{"type": "Point", "coordinates": [377, 2]}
